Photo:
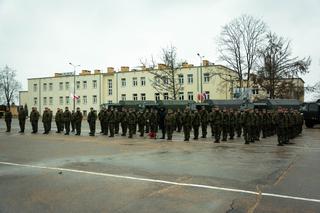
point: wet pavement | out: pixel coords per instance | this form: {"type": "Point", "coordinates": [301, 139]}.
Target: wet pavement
{"type": "Point", "coordinates": [57, 173]}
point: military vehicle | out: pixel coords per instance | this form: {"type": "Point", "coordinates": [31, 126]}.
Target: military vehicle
{"type": "Point", "coordinates": [311, 113]}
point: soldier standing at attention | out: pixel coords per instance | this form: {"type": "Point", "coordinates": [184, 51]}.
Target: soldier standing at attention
{"type": "Point", "coordinates": [50, 119]}
{"type": "Point", "coordinates": [34, 118]}
{"type": "Point", "coordinates": [58, 119]}
{"type": "Point", "coordinates": [247, 120]}
{"type": "Point", "coordinates": [73, 125]}
{"type": "Point", "coordinates": [153, 124]}
{"type": "Point", "coordinates": [280, 123]}
{"type": "Point", "coordinates": [106, 116]}
{"type": "Point", "coordinates": [92, 117]}
{"type": "Point", "coordinates": [187, 123]}
{"type": "Point", "coordinates": [264, 123]}
{"type": "Point", "coordinates": [169, 123]}
{"type": "Point", "coordinates": [232, 124]}
{"type": "Point", "coordinates": [179, 120]}
{"type": "Point", "coordinates": [141, 122]}
{"type": "Point", "coordinates": [216, 122]}
{"type": "Point", "coordinates": [124, 121]}
{"type": "Point", "coordinates": [225, 124]}
{"type": "Point", "coordinates": [162, 115]}
{"type": "Point", "coordinates": [46, 120]}
{"type": "Point", "coordinates": [111, 121]}
{"type": "Point", "coordinates": [8, 119]}
{"type": "Point", "coordinates": [100, 116]}
{"type": "Point", "coordinates": [77, 121]}
{"type": "Point", "coordinates": [196, 121]}
{"type": "Point", "coordinates": [147, 116]}
{"type": "Point", "coordinates": [22, 119]}
{"type": "Point", "coordinates": [131, 122]}
{"type": "Point", "coordinates": [286, 128]}
{"type": "Point", "coordinates": [204, 121]}
{"type": "Point", "coordinates": [238, 116]}
{"type": "Point", "coordinates": [258, 123]}
{"type": "Point", "coordinates": [116, 121]}
{"type": "Point", "coordinates": [67, 120]}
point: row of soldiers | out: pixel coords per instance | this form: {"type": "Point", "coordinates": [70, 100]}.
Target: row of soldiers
{"type": "Point", "coordinates": [227, 122]}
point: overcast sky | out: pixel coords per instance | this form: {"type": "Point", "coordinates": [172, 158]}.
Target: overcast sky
{"type": "Point", "coordinates": [40, 37]}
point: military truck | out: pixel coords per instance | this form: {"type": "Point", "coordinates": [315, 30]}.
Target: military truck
{"type": "Point", "coordinates": [311, 113]}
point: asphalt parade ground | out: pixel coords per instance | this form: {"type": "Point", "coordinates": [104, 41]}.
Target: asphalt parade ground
{"type": "Point", "coordinates": [58, 173]}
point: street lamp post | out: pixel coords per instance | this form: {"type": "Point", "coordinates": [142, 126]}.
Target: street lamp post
{"type": "Point", "coordinates": [74, 84]}
{"type": "Point", "coordinates": [201, 64]}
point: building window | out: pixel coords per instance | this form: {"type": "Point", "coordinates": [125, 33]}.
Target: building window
{"type": "Point", "coordinates": [45, 87]}
{"type": "Point", "coordinates": [135, 97]}
{"type": "Point", "coordinates": [143, 96]}
{"type": "Point", "coordinates": [50, 86]}
{"type": "Point", "coordinates": [84, 99]}
{"type": "Point", "coordinates": [35, 87]}
{"type": "Point", "coordinates": [61, 100]}
{"type": "Point", "coordinates": [67, 100]}
{"type": "Point", "coordinates": [157, 96]}
{"type": "Point", "coordinates": [78, 84]}
{"type": "Point", "coordinates": [165, 96]}
{"type": "Point", "coordinates": [181, 96]}
{"type": "Point", "coordinates": [190, 78]}
{"type": "Point", "coordinates": [181, 79]}
{"type": "Point", "coordinates": [85, 113]}
{"type": "Point", "coordinates": [165, 80]}
{"type": "Point", "coordinates": [94, 99]}
{"type": "Point", "coordinates": [255, 91]}
{"type": "Point", "coordinates": [157, 80]}
{"type": "Point", "coordinates": [35, 101]}
{"type": "Point", "coordinates": [84, 84]}
{"type": "Point", "coordinates": [123, 82]}
{"type": "Point", "coordinates": [44, 100]}
{"type": "Point", "coordinates": [143, 81]}
{"type": "Point", "coordinates": [60, 85]}
{"type": "Point", "coordinates": [109, 86]}
{"type": "Point", "coordinates": [123, 97]}
{"type": "Point", "coordinates": [109, 102]}
{"type": "Point", "coordinates": [78, 100]}
{"type": "Point", "coordinates": [207, 95]}
{"type": "Point", "coordinates": [94, 84]}
{"type": "Point", "coordinates": [206, 77]}
{"type": "Point", "coordinates": [50, 100]}
{"type": "Point", "coordinates": [67, 85]}
{"type": "Point", "coordinates": [134, 82]}
{"type": "Point", "coordinates": [190, 96]}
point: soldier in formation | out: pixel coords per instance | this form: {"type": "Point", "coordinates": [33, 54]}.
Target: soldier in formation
{"type": "Point", "coordinates": [92, 117]}
{"type": "Point", "coordinates": [22, 116]}
{"type": "Point", "coordinates": [34, 118]}
{"type": "Point", "coordinates": [8, 119]}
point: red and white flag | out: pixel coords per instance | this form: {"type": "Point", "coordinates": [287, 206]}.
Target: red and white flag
{"type": "Point", "coordinates": [74, 96]}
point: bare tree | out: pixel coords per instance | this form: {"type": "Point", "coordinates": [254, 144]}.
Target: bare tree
{"type": "Point", "coordinates": [165, 78]}
{"type": "Point", "coordinates": [238, 44]}
{"type": "Point", "coordinates": [314, 90]}
{"type": "Point", "coordinates": [278, 70]}
{"type": "Point", "coordinates": [9, 86]}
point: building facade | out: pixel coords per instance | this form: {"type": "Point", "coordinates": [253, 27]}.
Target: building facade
{"type": "Point", "coordinates": [97, 88]}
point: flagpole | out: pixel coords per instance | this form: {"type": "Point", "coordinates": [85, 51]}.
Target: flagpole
{"type": "Point", "coordinates": [74, 84]}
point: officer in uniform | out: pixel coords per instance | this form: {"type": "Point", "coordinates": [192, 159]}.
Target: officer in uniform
{"type": "Point", "coordinates": [131, 122]}
{"type": "Point", "coordinates": [169, 123]}
{"type": "Point", "coordinates": [141, 122]}
{"type": "Point", "coordinates": [187, 123]}
{"type": "Point", "coordinates": [196, 121]}
{"type": "Point", "coordinates": [46, 120]}
{"type": "Point", "coordinates": [204, 121]}
{"type": "Point", "coordinates": [67, 120]}
{"type": "Point", "coordinates": [77, 121]}
{"type": "Point", "coordinates": [34, 119]}
{"type": "Point", "coordinates": [22, 119]}
{"type": "Point", "coordinates": [58, 119]}
{"type": "Point", "coordinates": [8, 119]}
{"type": "Point", "coordinates": [92, 117]}
{"type": "Point", "coordinates": [216, 122]}
{"type": "Point", "coordinates": [124, 121]}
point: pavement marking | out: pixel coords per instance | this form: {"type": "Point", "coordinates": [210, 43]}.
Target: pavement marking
{"type": "Point", "coordinates": [165, 182]}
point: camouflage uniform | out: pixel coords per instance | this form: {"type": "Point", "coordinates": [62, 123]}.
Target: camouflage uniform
{"type": "Point", "coordinates": [216, 122]}
{"type": "Point", "coordinates": [92, 117]}
{"type": "Point", "coordinates": [100, 117]}
{"type": "Point", "coordinates": [58, 119]}
{"type": "Point", "coordinates": [169, 123]}
{"type": "Point", "coordinates": [8, 119]}
{"type": "Point", "coordinates": [67, 120]}
{"type": "Point", "coordinates": [132, 123]}
{"type": "Point", "coordinates": [179, 120]}
{"type": "Point", "coordinates": [147, 116]}
{"type": "Point", "coordinates": [225, 124]}
{"type": "Point", "coordinates": [116, 121]}
{"type": "Point", "coordinates": [34, 118]}
{"type": "Point", "coordinates": [232, 124]}
{"type": "Point", "coordinates": [141, 122]}
{"type": "Point", "coordinates": [238, 116]}
{"type": "Point", "coordinates": [46, 120]}
{"type": "Point", "coordinates": [106, 121]}
{"type": "Point", "coordinates": [264, 124]}
{"type": "Point", "coordinates": [77, 121]}
{"type": "Point", "coordinates": [22, 119]}
{"type": "Point", "coordinates": [196, 121]}
{"type": "Point", "coordinates": [111, 121]}
{"type": "Point", "coordinates": [248, 123]}
{"type": "Point", "coordinates": [124, 121]}
{"type": "Point", "coordinates": [153, 124]}
{"type": "Point", "coordinates": [187, 123]}
{"type": "Point", "coordinates": [204, 121]}
{"type": "Point", "coordinates": [280, 121]}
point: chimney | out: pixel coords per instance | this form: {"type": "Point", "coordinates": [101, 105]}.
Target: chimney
{"type": "Point", "coordinates": [162, 66]}
{"type": "Point", "coordinates": [110, 70]}
{"type": "Point", "coordinates": [124, 69]}
{"type": "Point", "coordinates": [190, 65]}
{"type": "Point", "coordinates": [205, 63]}
{"type": "Point", "coordinates": [85, 72]}
{"type": "Point", "coordinates": [97, 71]}
{"type": "Point", "coordinates": [185, 64]}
